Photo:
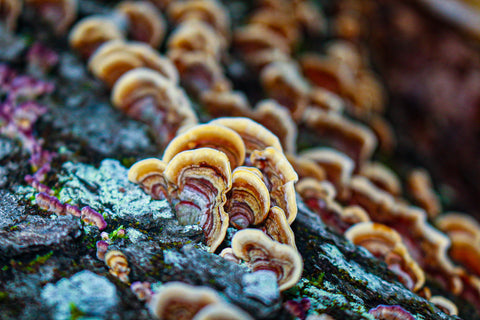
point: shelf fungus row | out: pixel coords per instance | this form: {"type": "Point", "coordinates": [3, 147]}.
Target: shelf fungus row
{"type": "Point", "coordinates": [386, 244]}
{"type": "Point", "coordinates": [177, 300]}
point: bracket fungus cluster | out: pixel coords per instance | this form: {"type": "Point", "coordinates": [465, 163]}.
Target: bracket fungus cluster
{"type": "Point", "coordinates": [386, 244]}
{"type": "Point", "coordinates": [205, 174]}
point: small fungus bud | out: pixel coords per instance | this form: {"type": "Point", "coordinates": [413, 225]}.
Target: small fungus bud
{"type": "Point", "coordinates": [117, 264]}
{"type": "Point", "coordinates": [142, 290]}
{"type": "Point", "coordinates": [92, 217]}
{"type": "Point", "coordinates": [102, 248]}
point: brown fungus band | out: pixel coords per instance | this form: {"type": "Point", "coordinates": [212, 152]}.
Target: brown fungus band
{"type": "Point", "coordinates": [180, 301]}
{"type": "Point", "coordinates": [146, 23]}
{"type": "Point", "coordinates": [262, 253]}
{"type": "Point", "coordinates": [249, 200]}
{"type": "Point", "coordinates": [91, 32]}
{"type": "Point", "coordinates": [59, 14]}
{"type": "Point", "coordinates": [199, 182]}
{"type": "Point", "coordinates": [279, 177]}
{"type": "Point", "coordinates": [149, 174]}
{"type": "Point", "coordinates": [209, 136]}
{"type": "Point", "coordinates": [148, 96]}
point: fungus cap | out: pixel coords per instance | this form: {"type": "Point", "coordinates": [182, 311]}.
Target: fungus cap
{"type": "Point", "coordinates": [254, 135]}
{"type": "Point", "coordinates": [283, 82]}
{"type": "Point", "coordinates": [226, 104]}
{"type": "Point", "coordinates": [146, 23]}
{"type": "Point", "coordinates": [133, 54]}
{"type": "Point", "coordinates": [149, 174]}
{"type": "Point", "coordinates": [337, 166]}
{"type": "Point", "coordinates": [209, 136]}
{"type": "Point", "coordinates": [90, 32]}
{"type": "Point", "coordinates": [278, 120]}
{"type": "Point", "coordinates": [196, 36]}
{"type": "Point", "coordinates": [263, 253]}
{"type": "Point", "coordinates": [252, 39]}
{"type": "Point", "coordinates": [382, 177]}
{"type": "Point", "coordinates": [384, 312]}
{"type": "Point", "coordinates": [148, 96]}
{"type": "Point", "coordinates": [306, 168]}
{"type": "Point", "coordinates": [445, 305]}
{"type": "Point", "coordinates": [211, 12]}
{"type": "Point", "coordinates": [199, 71]}
{"type": "Point", "coordinates": [420, 187]}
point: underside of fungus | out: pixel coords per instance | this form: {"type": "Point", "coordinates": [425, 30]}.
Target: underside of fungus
{"type": "Point", "coordinates": [262, 253]}
{"type": "Point", "coordinates": [199, 180]}
{"type": "Point", "coordinates": [148, 96]}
